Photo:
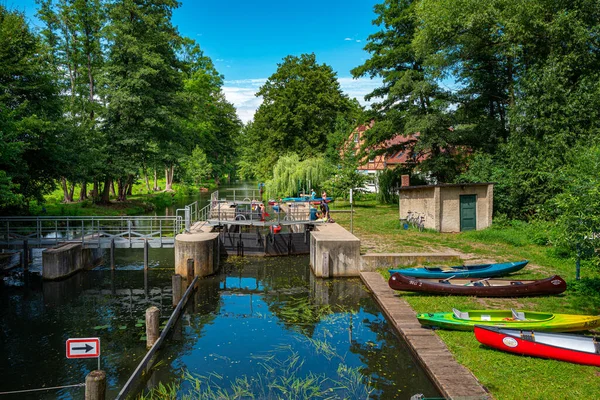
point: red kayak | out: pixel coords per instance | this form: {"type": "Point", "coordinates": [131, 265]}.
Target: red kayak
{"type": "Point", "coordinates": [577, 349]}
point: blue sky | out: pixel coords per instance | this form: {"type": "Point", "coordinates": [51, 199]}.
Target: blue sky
{"type": "Point", "coordinates": [247, 38]}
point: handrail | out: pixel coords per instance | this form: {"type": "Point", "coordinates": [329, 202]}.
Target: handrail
{"type": "Point", "coordinates": [148, 357]}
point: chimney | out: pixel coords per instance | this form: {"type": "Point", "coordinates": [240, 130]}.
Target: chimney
{"type": "Point", "coordinates": [405, 180]}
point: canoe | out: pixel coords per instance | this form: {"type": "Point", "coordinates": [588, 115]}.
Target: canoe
{"type": "Point", "coordinates": [482, 287]}
{"type": "Point", "coordinates": [463, 271]}
{"type": "Point", "coordinates": [306, 199]}
{"type": "Point", "coordinates": [577, 349]}
{"type": "Point", "coordinates": [549, 322]}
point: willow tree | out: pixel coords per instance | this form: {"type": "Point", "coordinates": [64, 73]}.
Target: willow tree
{"type": "Point", "coordinates": [290, 174]}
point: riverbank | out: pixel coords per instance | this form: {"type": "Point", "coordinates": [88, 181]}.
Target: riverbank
{"type": "Point", "coordinates": [140, 202]}
{"type": "Point", "coordinates": [506, 376]}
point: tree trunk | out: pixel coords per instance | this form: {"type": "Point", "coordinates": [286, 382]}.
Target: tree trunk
{"type": "Point", "coordinates": [72, 191]}
{"type": "Point", "coordinates": [169, 176]}
{"type": "Point", "coordinates": [122, 189]}
{"type": "Point", "coordinates": [155, 188]}
{"type": "Point", "coordinates": [106, 192]}
{"type": "Point", "coordinates": [112, 188]}
{"type": "Point", "coordinates": [95, 190]}
{"type": "Point", "coordinates": [130, 185]}
{"type": "Point", "coordinates": [63, 185]}
{"type": "Point", "coordinates": [83, 191]}
{"type": "Point", "coordinates": [146, 178]}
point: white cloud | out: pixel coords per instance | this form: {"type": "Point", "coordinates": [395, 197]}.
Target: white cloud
{"type": "Point", "coordinates": [242, 93]}
{"type": "Point", "coordinates": [358, 40]}
{"type": "Point", "coordinates": [219, 59]}
{"type": "Point", "coordinates": [349, 39]}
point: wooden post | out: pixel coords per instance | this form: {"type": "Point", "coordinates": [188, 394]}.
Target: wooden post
{"type": "Point", "coordinates": [325, 266]}
{"type": "Point", "coordinates": [25, 258]}
{"type": "Point", "coordinates": [112, 253]}
{"type": "Point", "coordinates": [95, 385]}
{"type": "Point", "coordinates": [145, 253]}
{"type": "Point", "coordinates": [176, 289]}
{"type": "Point", "coordinates": [190, 271]}
{"type": "Point", "coordinates": [152, 322]}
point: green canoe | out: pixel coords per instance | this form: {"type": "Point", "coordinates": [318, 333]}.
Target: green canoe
{"type": "Point", "coordinates": [466, 320]}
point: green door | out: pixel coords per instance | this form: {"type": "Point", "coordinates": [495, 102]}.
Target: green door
{"type": "Point", "coordinates": [468, 212]}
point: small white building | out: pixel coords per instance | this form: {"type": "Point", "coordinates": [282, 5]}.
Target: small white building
{"type": "Point", "coordinates": [448, 207]}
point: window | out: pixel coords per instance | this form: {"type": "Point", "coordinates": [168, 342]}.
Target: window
{"type": "Point", "coordinates": [356, 138]}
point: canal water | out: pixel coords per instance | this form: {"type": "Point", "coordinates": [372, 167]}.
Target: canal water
{"type": "Point", "coordinates": [261, 328]}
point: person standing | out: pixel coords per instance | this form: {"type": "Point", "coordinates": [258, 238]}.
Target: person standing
{"type": "Point", "coordinates": [324, 206]}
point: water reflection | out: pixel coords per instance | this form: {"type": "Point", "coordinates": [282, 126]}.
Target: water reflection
{"type": "Point", "coordinates": [37, 317]}
{"type": "Point", "coordinates": [268, 327]}
{"type": "Point", "coordinates": [264, 326]}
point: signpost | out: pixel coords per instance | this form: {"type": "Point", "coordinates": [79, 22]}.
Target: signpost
{"type": "Point", "coordinates": [84, 348]}
{"type": "Point", "coordinates": [351, 213]}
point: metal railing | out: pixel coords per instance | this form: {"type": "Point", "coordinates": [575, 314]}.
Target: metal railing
{"type": "Point", "coordinates": [90, 231]}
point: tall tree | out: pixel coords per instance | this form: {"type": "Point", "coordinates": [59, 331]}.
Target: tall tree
{"type": "Point", "coordinates": [29, 108]}
{"type": "Point", "coordinates": [301, 103]}
{"type": "Point", "coordinates": [142, 82]}
{"type": "Point", "coordinates": [73, 34]}
{"type": "Point", "coordinates": [410, 100]}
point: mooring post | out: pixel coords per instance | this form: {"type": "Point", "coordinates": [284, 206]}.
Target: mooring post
{"type": "Point", "coordinates": [190, 270]}
{"type": "Point", "coordinates": [145, 253]}
{"type": "Point", "coordinates": [152, 322]}
{"type": "Point", "coordinates": [25, 258]}
{"type": "Point", "coordinates": [176, 289]}
{"type": "Point", "coordinates": [112, 253]}
{"type": "Point", "coordinates": [95, 385]}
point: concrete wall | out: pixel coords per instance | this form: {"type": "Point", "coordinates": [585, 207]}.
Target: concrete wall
{"type": "Point", "coordinates": [423, 200]}
{"type": "Point", "coordinates": [60, 262]}
{"type": "Point", "coordinates": [202, 247]}
{"type": "Point", "coordinates": [343, 249]}
{"type": "Point", "coordinates": [441, 205]}
{"type": "Point", "coordinates": [450, 206]}
{"type": "Point", "coordinates": [373, 261]}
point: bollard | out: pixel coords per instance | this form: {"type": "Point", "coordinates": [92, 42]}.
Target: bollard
{"type": "Point", "coordinates": [25, 258]}
{"type": "Point", "coordinates": [152, 322]}
{"type": "Point", "coordinates": [95, 385]}
{"type": "Point", "coordinates": [112, 253]}
{"type": "Point", "coordinates": [190, 271]}
{"type": "Point", "coordinates": [176, 289]}
{"type": "Point", "coordinates": [146, 254]}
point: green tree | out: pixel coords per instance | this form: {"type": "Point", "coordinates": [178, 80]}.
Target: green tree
{"type": "Point", "coordinates": [301, 103]}
{"type": "Point", "coordinates": [411, 100]}
{"type": "Point", "coordinates": [29, 109]}
{"type": "Point", "coordinates": [197, 166]}
{"type": "Point", "coordinates": [142, 83]}
{"type": "Point", "coordinates": [73, 34]}
{"type": "Point", "coordinates": [578, 206]}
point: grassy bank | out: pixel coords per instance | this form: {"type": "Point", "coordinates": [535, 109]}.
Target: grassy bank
{"type": "Point", "coordinates": [140, 202]}
{"type": "Point", "coordinates": [506, 376]}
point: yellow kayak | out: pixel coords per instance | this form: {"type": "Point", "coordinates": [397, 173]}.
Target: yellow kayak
{"type": "Point", "coordinates": [549, 322]}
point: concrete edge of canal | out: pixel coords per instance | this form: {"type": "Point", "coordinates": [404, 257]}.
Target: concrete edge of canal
{"type": "Point", "coordinates": [452, 379]}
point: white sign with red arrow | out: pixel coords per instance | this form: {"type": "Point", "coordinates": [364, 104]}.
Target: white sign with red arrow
{"type": "Point", "coordinates": [83, 348]}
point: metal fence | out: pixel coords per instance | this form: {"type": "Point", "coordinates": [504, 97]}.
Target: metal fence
{"type": "Point", "coordinates": [90, 231]}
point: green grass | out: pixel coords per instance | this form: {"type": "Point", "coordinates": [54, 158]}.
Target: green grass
{"type": "Point", "coordinates": [140, 202]}
{"type": "Point", "coordinates": [505, 375]}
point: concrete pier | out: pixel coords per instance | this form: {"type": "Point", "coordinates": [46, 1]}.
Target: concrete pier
{"type": "Point", "coordinates": [343, 250]}
{"type": "Point", "coordinates": [203, 247]}
{"type": "Point", "coordinates": [60, 262]}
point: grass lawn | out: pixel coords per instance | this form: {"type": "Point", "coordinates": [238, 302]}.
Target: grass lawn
{"type": "Point", "coordinates": [139, 203]}
{"type": "Point", "coordinates": [505, 375]}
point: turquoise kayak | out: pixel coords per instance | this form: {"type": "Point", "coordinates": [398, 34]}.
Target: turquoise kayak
{"type": "Point", "coordinates": [462, 271]}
